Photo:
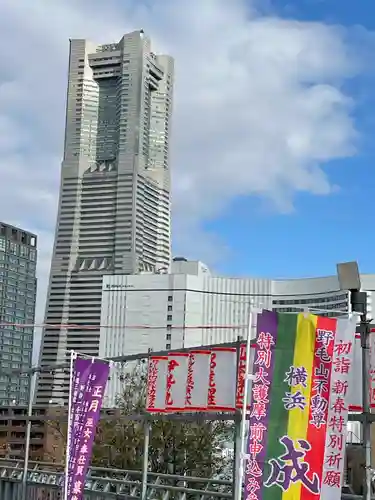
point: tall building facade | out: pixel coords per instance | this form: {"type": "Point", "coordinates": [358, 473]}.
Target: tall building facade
{"type": "Point", "coordinates": [190, 307]}
{"type": "Point", "coordinates": [18, 257]}
{"type": "Point", "coordinates": [114, 206]}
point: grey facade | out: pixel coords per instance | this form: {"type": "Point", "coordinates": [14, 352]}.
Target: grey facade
{"type": "Point", "coordinates": [18, 256]}
{"type": "Point", "coordinates": [114, 207]}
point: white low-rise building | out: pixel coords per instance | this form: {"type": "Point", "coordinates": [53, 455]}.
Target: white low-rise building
{"type": "Point", "coordinates": [191, 307]}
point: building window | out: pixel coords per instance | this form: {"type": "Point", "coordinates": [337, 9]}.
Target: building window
{"type": "Point", "coordinates": [168, 346]}
{"type": "Point", "coordinates": [24, 251]}
{"type": "Point", "coordinates": [169, 308]}
{"type": "Point", "coordinates": [13, 248]}
{"type": "Point", "coordinates": [169, 336]}
{"type": "Point", "coordinates": [169, 317]}
{"type": "Point", "coordinates": [170, 298]}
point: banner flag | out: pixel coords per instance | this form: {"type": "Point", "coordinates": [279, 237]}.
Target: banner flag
{"type": "Point", "coordinates": [197, 380]}
{"type": "Point", "coordinates": [89, 380]}
{"type": "Point", "coordinates": [297, 424]}
{"type": "Point", "coordinates": [80, 380]}
{"type": "Point", "coordinates": [176, 381]}
{"type": "Point", "coordinates": [156, 383]}
{"type": "Point", "coordinates": [334, 456]}
{"type": "Point", "coordinates": [222, 379]}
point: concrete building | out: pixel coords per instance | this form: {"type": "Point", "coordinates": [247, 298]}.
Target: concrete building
{"type": "Point", "coordinates": [18, 256]}
{"type": "Point", "coordinates": [13, 430]}
{"type": "Point", "coordinates": [114, 206]}
{"type": "Point", "coordinates": [190, 307]}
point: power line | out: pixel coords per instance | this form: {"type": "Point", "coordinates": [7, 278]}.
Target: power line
{"type": "Point", "coordinates": [118, 359]}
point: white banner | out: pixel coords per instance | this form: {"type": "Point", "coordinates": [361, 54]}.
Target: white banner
{"type": "Point", "coordinates": [176, 381]}
{"type": "Point", "coordinates": [338, 406]}
{"type": "Point", "coordinates": [197, 380]}
{"type": "Point", "coordinates": [222, 380]}
{"type": "Point", "coordinates": [226, 389]}
{"type": "Point", "coordinates": [156, 383]}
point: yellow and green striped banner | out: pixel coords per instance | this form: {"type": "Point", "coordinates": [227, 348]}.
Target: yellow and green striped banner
{"type": "Point", "coordinates": [290, 455]}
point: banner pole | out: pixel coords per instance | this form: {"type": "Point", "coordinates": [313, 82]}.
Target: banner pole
{"type": "Point", "coordinates": [68, 434]}
{"type": "Point", "coordinates": [145, 459]}
{"type": "Point", "coordinates": [242, 440]}
{"type": "Point", "coordinates": [237, 426]}
{"type": "Point", "coordinates": [28, 435]}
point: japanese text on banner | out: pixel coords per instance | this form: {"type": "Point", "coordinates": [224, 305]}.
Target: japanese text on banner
{"type": "Point", "coordinates": [258, 420]}
{"type": "Point", "coordinates": [81, 452]}
{"type": "Point", "coordinates": [337, 414]}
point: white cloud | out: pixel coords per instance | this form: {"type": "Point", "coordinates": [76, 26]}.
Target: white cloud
{"type": "Point", "coordinates": [258, 103]}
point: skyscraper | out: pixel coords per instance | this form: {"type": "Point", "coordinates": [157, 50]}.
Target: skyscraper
{"type": "Point", "coordinates": [18, 255]}
{"type": "Point", "coordinates": [114, 206]}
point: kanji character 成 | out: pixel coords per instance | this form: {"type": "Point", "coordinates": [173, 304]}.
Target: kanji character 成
{"type": "Point", "coordinates": [291, 467]}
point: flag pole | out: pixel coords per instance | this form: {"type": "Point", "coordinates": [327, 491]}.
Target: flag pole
{"type": "Point", "coordinates": [242, 460]}
{"type": "Point", "coordinates": [68, 435]}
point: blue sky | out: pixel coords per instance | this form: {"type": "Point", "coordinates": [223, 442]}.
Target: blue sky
{"type": "Point", "coordinates": [329, 11]}
{"type": "Point", "coordinates": [321, 230]}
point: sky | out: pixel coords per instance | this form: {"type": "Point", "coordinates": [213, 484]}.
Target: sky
{"type": "Point", "coordinates": [272, 152]}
